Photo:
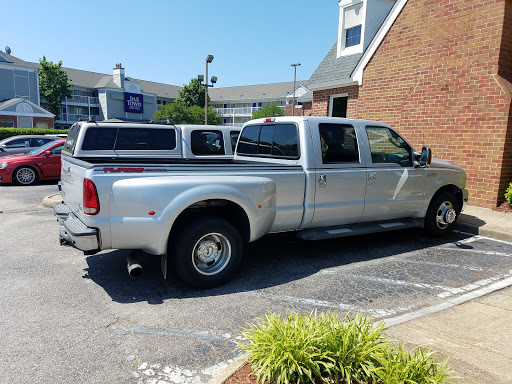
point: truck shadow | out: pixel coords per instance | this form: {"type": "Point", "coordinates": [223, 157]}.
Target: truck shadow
{"type": "Point", "coordinates": [271, 261]}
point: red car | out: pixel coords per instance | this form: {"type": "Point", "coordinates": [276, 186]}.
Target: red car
{"type": "Point", "coordinates": [42, 163]}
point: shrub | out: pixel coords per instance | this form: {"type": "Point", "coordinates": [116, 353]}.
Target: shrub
{"type": "Point", "coordinates": [508, 194]}
{"type": "Point", "coordinates": [400, 367]}
{"type": "Point", "coordinates": [8, 132]}
{"type": "Point", "coordinates": [320, 347]}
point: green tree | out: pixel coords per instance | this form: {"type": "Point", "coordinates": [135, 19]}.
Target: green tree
{"type": "Point", "coordinates": [53, 85]}
{"type": "Point", "coordinates": [181, 114]}
{"type": "Point", "coordinates": [192, 94]}
{"type": "Point", "coordinates": [271, 110]}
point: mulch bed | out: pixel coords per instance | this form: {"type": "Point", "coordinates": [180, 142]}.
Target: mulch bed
{"type": "Point", "coordinates": [504, 207]}
{"type": "Point", "coordinates": [243, 376]}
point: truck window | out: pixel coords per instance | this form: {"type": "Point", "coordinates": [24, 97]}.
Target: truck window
{"type": "Point", "coordinates": [129, 139]}
{"type": "Point", "coordinates": [145, 139]}
{"type": "Point", "coordinates": [234, 139]}
{"type": "Point", "coordinates": [69, 145]}
{"type": "Point", "coordinates": [279, 140]}
{"type": "Point", "coordinates": [339, 143]}
{"type": "Point", "coordinates": [387, 146]}
{"type": "Point", "coordinates": [207, 142]}
{"type": "Point", "coordinates": [99, 139]}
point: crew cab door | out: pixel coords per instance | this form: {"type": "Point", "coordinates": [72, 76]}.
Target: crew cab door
{"type": "Point", "coordinates": [395, 189]}
{"type": "Point", "coordinates": [340, 174]}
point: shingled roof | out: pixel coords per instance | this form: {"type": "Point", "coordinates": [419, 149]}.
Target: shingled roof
{"type": "Point", "coordinates": [333, 69]}
{"type": "Point", "coordinates": [254, 92]}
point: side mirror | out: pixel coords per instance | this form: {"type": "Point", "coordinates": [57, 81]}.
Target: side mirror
{"type": "Point", "coordinates": [47, 153]}
{"type": "Point", "coordinates": [425, 157]}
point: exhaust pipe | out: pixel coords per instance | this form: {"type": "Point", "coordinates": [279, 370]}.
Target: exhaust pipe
{"type": "Point", "coordinates": [133, 264]}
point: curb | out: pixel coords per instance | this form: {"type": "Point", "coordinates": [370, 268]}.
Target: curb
{"type": "Point", "coordinates": [50, 201]}
{"type": "Point", "coordinates": [483, 231]}
{"type": "Point", "coordinates": [223, 375]}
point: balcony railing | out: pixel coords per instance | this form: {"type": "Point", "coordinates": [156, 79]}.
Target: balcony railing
{"type": "Point", "coordinates": [233, 124]}
{"type": "Point", "coordinates": [241, 111]}
{"type": "Point", "coordinates": [73, 118]}
{"type": "Point", "coordinates": [87, 100]}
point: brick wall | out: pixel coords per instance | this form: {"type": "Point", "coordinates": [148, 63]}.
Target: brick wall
{"type": "Point", "coordinates": [321, 100]}
{"type": "Point", "coordinates": [47, 120]}
{"type": "Point", "coordinates": [435, 79]}
{"type": "Point", "coordinates": [304, 110]}
{"type": "Point", "coordinates": [505, 72]}
{"type": "Point", "coordinates": [11, 118]}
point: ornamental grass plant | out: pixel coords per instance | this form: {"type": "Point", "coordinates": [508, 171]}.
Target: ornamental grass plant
{"type": "Point", "coordinates": [320, 348]}
{"type": "Point", "coordinates": [508, 194]}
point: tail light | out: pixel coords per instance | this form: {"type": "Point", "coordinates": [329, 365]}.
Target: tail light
{"type": "Point", "coordinates": [91, 201]}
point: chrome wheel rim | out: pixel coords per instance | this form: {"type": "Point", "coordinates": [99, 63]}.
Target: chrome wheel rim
{"type": "Point", "coordinates": [211, 254]}
{"type": "Point", "coordinates": [25, 176]}
{"type": "Point", "coordinates": [445, 215]}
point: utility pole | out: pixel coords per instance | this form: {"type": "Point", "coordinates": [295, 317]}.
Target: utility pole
{"type": "Point", "coordinates": [294, 78]}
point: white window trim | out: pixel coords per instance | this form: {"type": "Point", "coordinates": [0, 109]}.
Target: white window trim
{"type": "Point", "coordinates": [331, 101]}
{"type": "Point", "coordinates": [342, 50]}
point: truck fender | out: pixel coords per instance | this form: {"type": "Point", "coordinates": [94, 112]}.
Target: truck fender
{"type": "Point", "coordinates": [169, 197]}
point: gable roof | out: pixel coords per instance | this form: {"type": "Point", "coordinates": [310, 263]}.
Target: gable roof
{"type": "Point", "coordinates": [88, 79]}
{"type": "Point", "coordinates": [9, 107]}
{"type": "Point", "coordinates": [9, 59]}
{"type": "Point", "coordinates": [254, 92]}
{"type": "Point", "coordinates": [347, 70]}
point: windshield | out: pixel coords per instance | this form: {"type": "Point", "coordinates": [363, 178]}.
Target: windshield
{"type": "Point", "coordinates": [41, 149]}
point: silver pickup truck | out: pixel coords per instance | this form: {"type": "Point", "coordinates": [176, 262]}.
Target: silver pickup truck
{"type": "Point", "coordinates": [320, 177]}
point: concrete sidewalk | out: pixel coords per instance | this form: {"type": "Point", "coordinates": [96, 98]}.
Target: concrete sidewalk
{"type": "Point", "coordinates": [486, 222]}
{"type": "Point", "coordinates": [476, 336]}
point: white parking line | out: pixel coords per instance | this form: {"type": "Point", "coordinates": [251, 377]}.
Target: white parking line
{"type": "Point", "coordinates": [449, 303]}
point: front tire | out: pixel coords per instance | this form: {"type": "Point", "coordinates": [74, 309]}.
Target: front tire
{"type": "Point", "coordinates": [25, 175]}
{"type": "Point", "coordinates": [207, 253]}
{"type": "Point", "coordinates": [442, 213]}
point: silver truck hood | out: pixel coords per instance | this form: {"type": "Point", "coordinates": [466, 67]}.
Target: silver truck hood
{"type": "Point", "coordinates": [438, 163]}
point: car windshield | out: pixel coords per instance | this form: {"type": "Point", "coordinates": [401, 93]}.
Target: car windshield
{"type": "Point", "coordinates": [41, 149]}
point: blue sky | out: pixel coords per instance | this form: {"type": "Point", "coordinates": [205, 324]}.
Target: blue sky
{"type": "Point", "coordinates": [253, 42]}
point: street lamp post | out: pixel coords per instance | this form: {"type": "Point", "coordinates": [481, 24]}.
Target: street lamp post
{"type": "Point", "coordinates": [294, 78]}
{"type": "Point", "coordinates": [202, 78]}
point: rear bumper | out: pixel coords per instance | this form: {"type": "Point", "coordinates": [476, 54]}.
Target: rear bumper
{"type": "Point", "coordinates": [76, 233]}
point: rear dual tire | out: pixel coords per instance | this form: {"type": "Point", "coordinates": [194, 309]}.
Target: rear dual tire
{"type": "Point", "coordinates": [207, 253]}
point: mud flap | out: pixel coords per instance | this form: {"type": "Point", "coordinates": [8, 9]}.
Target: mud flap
{"type": "Point", "coordinates": [163, 264]}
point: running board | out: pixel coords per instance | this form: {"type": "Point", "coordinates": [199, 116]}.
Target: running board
{"type": "Point", "coordinates": [357, 229]}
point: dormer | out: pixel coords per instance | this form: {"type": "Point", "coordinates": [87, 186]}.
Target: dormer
{"type": "Point", "coordinates": [359, 21]}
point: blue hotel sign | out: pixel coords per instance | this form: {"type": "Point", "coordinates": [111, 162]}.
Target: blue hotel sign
{"type": "Point", "coordinates": [133, 102]}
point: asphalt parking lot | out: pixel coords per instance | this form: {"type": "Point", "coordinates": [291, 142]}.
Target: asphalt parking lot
{"type": "Point", "coordinates": [71, 318]}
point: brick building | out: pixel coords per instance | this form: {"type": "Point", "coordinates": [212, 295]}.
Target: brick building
{"type": "Point", "coordinates": [439, 71]}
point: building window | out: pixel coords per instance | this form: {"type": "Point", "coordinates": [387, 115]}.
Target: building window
{"type": "Point", "coordinates": [351, 27]}
{"type": "Point", "coordinates": [159, 101]}
{"type": "Point", "coordinates": [7, 124]}
{"type": "Point", "coordinates": [353, 36]}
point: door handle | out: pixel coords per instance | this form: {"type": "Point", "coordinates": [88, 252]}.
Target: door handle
{"type": "Point", "coordinates": [322, 181]}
